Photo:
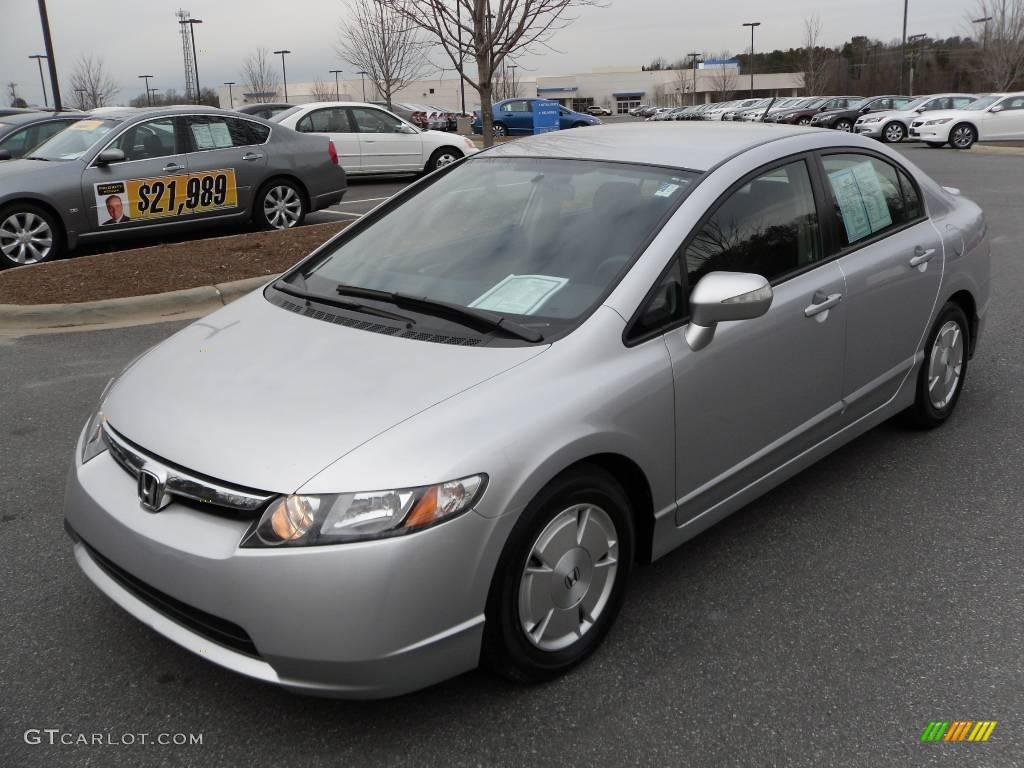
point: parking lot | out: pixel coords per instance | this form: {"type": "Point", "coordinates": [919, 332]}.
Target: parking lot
{"type": "Point", "coordinates": [825, 624]}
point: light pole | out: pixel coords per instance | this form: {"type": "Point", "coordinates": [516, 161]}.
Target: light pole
{"type": "Point", "coordinates": [284, 71]}
{"type": "Point", "coordinates": [44, 20]}
{"type": "Point", "coordinates": [752, 24]}
{"type": "Point", "coordinates": [693, 58]}
{"type": "Point", "coordinates": [231, 95]}
{"type": "Point", "coordinates": [39, 60]}
{"type": "Point", "coordinates": [337, 87]}
{"type": "Point", "coordinates": [149, 99]}
{"type": "Point", "coordinates": [195, 62]}
{"type": "Point", "coordinates": [913, 59]}
{"type": "Point", "coordinates": [903, 43]}
{"type": "Point", "coordinates": [362, 76]}
{"type": "Point", "coordinates": [514, 94]}
{"type": "Point", "coordinates": [462, 82]}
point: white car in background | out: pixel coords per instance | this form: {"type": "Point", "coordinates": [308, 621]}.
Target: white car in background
{"type": "Point", "coordinates": [893, 126]}
{"type": "Point", "coordinates": [370, 139]}
{"type": "Point", "coordinates": [996, 117]}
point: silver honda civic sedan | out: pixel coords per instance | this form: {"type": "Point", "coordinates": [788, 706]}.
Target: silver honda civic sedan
{"type": "Point", "coordinates": [445, 440]}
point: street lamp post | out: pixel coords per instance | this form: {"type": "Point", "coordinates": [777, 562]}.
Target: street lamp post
{"type": "Point", "coordinates": [337, 87]}
{"type": "Point", "coordinates": [693, 58]}
{"type": "Point", "coordinates": [195, 62]}
{"type": "Point", "coordinates": [514, 92]}
{"type": "Point", "coordinates": [752, 24]}
{"type": "Point", "coordinates": [903, 42]}
{"type": "Point", "coordinates": [149, 99]}
{"type": "Point", "coordinates": [362, 76]}
{"type": "Point", "coordinates": [913, 59]}
{"type": "Point", "coordinates": [462, 81]}
{"type": "Point", "coordinates": [231, 94]}
{"type": "Point", "coordinates": [39, 60]}
{"type": "Point", "coordinates": [48, 42]}
{"type": "Point", "coordinates": [284, 71]}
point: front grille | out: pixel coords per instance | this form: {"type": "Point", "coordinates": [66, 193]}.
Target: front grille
{"type": "Point", "coordinates": [213, 628]}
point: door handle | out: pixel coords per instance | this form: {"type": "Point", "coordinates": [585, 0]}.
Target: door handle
{"type": "Point", "coordinates": [252, 156]}
{"type": "Point", "coordinates": [173, 167]}
{"type": "Point", "coordinates": [822, 303]}
{"type": "Point", "coordinates": [921, 258]}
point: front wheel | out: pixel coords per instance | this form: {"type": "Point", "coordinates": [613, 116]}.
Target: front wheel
{"type": "Point", "coordinates": [944, 369]}
{"type": "Point", "coordinates": [561, 578]}
{"type": "Point", "coordinates": [804, 121]}
{"type": "Point", "coordinates": [579, 125]}
{"type": "Point", "coordinates": [28, 235]}
{"type": "Point", "coordinates": [962, 136]}
{"type": "Point", "coordinates": [279, 205]}
{"type": "Point", "coordinates": [844, 125]}
{"type": "Point", "coordinates": [443, 157]}
{"type": "Point", "coordinates": [500, 130]}
{"type": "Point", "coordinates": [894, 133]}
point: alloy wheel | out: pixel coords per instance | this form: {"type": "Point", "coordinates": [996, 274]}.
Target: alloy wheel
{"type": "Point", "coordinates": [945, 364]}
{"type": "Point", "coordinates": [568, 578]}
{"type": "Point", "coordinates": [499, 130]}
{"type": "Point", "coordinates": [282, 207]}
{"type": "Point", "coordinates": [844, 125]}
{"type": "Point", "coordinates": [962, 137]}
{"type": "Point", "coordinates": [25, 238]}
{"type": "Point", "coordinates": [894, 133]}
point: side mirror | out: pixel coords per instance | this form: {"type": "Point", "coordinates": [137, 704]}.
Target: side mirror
{"type": "Point", "coordinates": [723, 296]}
{"type": "Point", "coordinates": [997, 108]}
{"type": "Point", "coordinates": [865, 110]}
{"type": "Point", "coordinates": [921, 109]}
{"type": "Point", "coordinates": [5, 154]}
{"type": "Point", "coordinates": [110, 155]}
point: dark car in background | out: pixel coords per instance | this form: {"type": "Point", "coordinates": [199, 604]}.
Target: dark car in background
{"type": "Point", "coordinates": [21, 132]}
{"type": "Point", "coordinates": [266, 111]}
{"type": "Point", "coordinates": [802, 115]}
{"type": "Point", "coordinates": [844, 119]}
{"type": "Point", "coordinates": [136, 172]}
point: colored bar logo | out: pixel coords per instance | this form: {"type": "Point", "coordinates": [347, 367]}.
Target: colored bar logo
{"type": "Point", "coordinates": [958, 730]}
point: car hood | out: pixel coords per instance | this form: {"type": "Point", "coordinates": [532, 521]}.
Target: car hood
{"type": "Point", "coordinates": [886, 113]}
{"type": "Point", "coordinates": [259, 396]}
{"type": "Point", "coordinates": [14, 169]}
{"type": "Point", "coordinates": [834, 112]}
{"type": "Point", "coordinates": [940, 113]}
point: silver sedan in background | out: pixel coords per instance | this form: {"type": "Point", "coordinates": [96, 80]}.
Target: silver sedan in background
{"type": "Point", "coordinates": [135, 172]}
{"type": "Point", "coordinates": [430, 446]}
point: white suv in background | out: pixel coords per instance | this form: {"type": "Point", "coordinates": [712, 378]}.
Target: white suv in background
{"type": "Point", "coordinates": [996, 117]}
{"type": "Point", "coordinates": [894, 126]}
{"type": "Point", "coordinates": [370, 139]}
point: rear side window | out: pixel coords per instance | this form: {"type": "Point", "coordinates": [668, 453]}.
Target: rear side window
{"type": "Point", "coordinates": [215, 132]}
{"type": "Point", "coordinates": [258, 133]}
{"type": "Point", "coordinates": [769, 227]}
{"type": "Point", "coordinates": [869, 195]}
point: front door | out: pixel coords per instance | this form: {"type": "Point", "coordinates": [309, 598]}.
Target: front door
{"type": "Point", "coordinates": [226, 164]}
{"type": "Point", "coordinates": [765, 389]}
{"type": "Point", "coordinates": [147, 188]}
{"type": "Point", "coordinates": [335, 123]}
{"type": "Point", "coordinates": [387, 143]}
{"type": "Point", "coordinates": [892, 257]}
{"type": "Point", "coordinates": [1007, 125]}
{"type": "Point", "coordinates": [517, 116]}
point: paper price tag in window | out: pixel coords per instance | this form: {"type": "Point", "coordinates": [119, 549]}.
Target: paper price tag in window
{"type": "Point", "coordinates": [851, 204]}
{"type": "Point", "coordinates": [520, 294]}
{"type": "Point", "coordinates": [666, 190]}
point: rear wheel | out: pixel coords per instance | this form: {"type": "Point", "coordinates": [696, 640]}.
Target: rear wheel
{"type": "Point", "coordinates": [443, 157]}
{"type": "Point", "coordinates": [944, 369]}
{"type": "Point", "coordinates": [894, 133]}
{"type": "Point", "coordinates": [844, 125]}
{"type": "Point", "coordinates": [561, 578]}
{"type": "Point", "coordinates": [962, 136]}
{"type": "Point", "coordinates": [28, 235]}
{"type": "Point", "coordinates": [279, 205]}
{"type": "Point", "coordinates": [500, 129]}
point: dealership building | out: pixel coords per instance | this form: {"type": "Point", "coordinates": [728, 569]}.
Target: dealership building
{"type": "Point", "coordinates": [617, 88]}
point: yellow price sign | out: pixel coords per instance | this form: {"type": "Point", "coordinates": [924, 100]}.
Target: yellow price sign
{"type": "Point", "coordinates": [165, 196]}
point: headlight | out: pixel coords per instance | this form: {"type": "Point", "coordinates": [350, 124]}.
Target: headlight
{"type": "Point", "coordinates": [869, 120]}
{"type": "Point", "coordinates": [300, 520]}
{"type": "Point", "coordinates": [940, 121]}
{"type": "Point", "coordinates": [92, 442]}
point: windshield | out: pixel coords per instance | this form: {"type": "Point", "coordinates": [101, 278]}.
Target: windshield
{"type": "Point", "coordinates": [984, 102]}
{"type": "Point", "coordinates": [918, 102]}
{"type": "Point", "coordinates": [75, 140]}
{"type": "Point", "coordinates": [277, 118]}
{"type": "Point", "coordinates": [538, 240]}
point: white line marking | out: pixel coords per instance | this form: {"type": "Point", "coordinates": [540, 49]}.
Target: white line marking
{"type": "Point", "coordinates": [340, 213]}
{"type": "Point", "coordinates": [364, 200]}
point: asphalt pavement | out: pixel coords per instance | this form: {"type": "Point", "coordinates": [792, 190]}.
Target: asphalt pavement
{"type": "Point", "coordinates": [824, 625]}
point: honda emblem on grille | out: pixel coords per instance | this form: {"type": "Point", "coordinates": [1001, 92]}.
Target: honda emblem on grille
{"type": "Point", "coordinates": [152, 490]}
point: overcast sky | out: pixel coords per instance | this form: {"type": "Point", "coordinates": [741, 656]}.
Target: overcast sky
{"type": "Point", "coordinates": [136, 38]}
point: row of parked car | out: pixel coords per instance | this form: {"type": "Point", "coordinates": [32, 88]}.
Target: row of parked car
{"type": "Point", "coordinates": [957, 119]}
{"type": "Point", "coordinates": [423, 116]}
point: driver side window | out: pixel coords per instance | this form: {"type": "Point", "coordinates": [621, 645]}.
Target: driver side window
{"type": "Point", "coordinates": [152, 139]}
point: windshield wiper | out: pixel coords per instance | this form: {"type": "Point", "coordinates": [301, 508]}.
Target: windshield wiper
{"type": "Point", "coordinates": [284, 287]}
{"type": "Point", "coordinates": [464, 315]}
{"type": "Point", "coordinates": [37, 157]}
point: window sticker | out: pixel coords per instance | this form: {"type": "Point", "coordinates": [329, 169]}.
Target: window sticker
{"type": "Point", "coordinates": [85, 125]}
{"type": "Point", "coordinates": [861, 200]}
{"type": "Point", "coordinates": [666, 190]}
{"type": "Point", "coordinates": [520, 294]}
{"type": "Point", "coordinates": [211, 136]}
{"type": "Point", "coordinates": [204, 138]}
{"type": "Point", "coordinates": [873, 196]}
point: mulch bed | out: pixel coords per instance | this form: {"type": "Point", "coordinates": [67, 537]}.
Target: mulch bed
{"type": "Point", "coordinates": [161, 268]}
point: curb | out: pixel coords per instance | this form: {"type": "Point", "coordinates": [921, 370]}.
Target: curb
{"type": "Point", "coordinates": [989, 149]}
{"type": "Point", "coordinates": [172, 305]}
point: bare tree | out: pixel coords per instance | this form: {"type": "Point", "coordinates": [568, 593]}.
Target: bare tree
{"type": "Point", "coordinates": [13, 98]}
{"type": "Point", "coordinates": [91, 83]}
{"type": "Point", "coordinates": [322, 91]}
{"type": "Point", "coordinates": [487, 33]}
{"type": "Point", "coordinates": [683, 80]}
{"type": "Point", "coordinates": [260, 77]}
{"type": "Point", "coordinates": [1002, 46]}
{"type": "Point", "coordinates": [378, 40]}
{"type": "Point", "coordinates": [505, 84]}
{"type": "Point", "coordinates": [723, 76]}
{"type": "Point", "coordinates": [815, 58]}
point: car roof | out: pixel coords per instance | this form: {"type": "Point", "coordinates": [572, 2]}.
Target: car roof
{"type": "Point", "coordinates": [695, 145]}
{"type": "Point", "coordinates": [340, 104]}
{"type": "Point", "coordinates": [27, 118]}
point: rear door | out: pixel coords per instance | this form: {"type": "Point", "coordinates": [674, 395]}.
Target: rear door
{"type": "Point", "coordinates": [147, 188]}
{"type": "Point", "coordinates": [386, 142]}
{"type": "Point", "coordinates": [892, 257]}
{"type": "Point", "coordinates": [334, 122]}
{"type": "Point", "coordinates": [226, 163]}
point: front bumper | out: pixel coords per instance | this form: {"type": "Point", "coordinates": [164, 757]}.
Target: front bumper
{"type": "Point", "coordinates": [872, 130]}
{"type": "Point", "coordinates": [362, 620]}
{"type": "Point", "coordinates": [938, 134]}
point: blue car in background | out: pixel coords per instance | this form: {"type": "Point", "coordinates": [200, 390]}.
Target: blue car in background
{"type": "Point", "coordinates": [514, 117]}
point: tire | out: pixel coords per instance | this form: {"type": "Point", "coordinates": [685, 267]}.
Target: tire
{"type": "Point", "coordinates": [893, 133]}
{"type": "Point", "coordinates": [280, 204]}
{"type": "Point", "coordinates": [500, 129]}
{"type": "Point", "coordinates": [804, 121]}
{"type": "Point", "coordinates": [579, 125]}
{"type": "Point", "coordinates": [29, 235]}
{"type": "Point", "coordinates": [843, 125]}
{"type": "Point", "coordinates": [443, 157]}
{"type": "Point", "coordinates": [941, 379]}
{"type": "Point", "coordinates": [564, 595]}
{"type": "Point", "coordinates": [935, 144]}
{"type": "Point", "coordinates": [962, 136]}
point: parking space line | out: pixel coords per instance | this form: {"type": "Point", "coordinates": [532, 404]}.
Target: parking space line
{"type": "Point", "coordinates": [364, 200]}
{"type": "Point", "coordinates": [340, 213]}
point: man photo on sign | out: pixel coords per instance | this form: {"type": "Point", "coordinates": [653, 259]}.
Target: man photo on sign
{"type": "Point", "coordinates": [116, 210]}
